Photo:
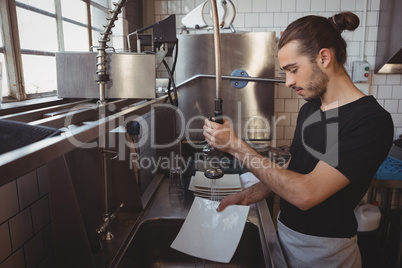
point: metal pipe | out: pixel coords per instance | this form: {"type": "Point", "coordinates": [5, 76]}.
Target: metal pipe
{"type": "Point", "coordinates": [240, 78]}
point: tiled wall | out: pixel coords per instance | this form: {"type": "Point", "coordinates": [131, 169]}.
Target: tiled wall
{"type": "Point", "coordinates": [275, 15]}
{"type": "Point", "coordinates": [25, 229]}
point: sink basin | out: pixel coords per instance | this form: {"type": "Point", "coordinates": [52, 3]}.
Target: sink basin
{"type": "Point", "coordinates": [150, 247]}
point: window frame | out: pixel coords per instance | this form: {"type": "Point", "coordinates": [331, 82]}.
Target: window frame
{"type": "Point", "coordinates": [12, 49]}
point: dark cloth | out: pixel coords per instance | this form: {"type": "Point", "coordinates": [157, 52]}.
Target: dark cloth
{"type": "Point", "coordinates": [14, 135]}
{"type": "Point", "coordinates": [355, 139]}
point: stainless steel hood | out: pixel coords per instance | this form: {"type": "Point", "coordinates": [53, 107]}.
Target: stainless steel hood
{"type": "Point", "coordinates": [389, 38]}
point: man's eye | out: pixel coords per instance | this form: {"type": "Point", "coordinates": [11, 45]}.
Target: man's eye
{"type": "Point", "coordinates": [293, 71]}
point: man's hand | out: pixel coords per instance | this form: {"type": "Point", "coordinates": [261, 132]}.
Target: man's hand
{"type": "Point", "coordinates": [221, 136]}
{"type": "Point", "coordinates": [246, 197]}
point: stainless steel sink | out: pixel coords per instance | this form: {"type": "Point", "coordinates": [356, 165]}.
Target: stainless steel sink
{"type": "Point", "coordinates": [149, 243]}
{"type": "Point", "coordinates": [150, 247]}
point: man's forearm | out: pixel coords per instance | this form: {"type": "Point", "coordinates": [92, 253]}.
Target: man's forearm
{"type": "Point", "coordinates": [283, 182]}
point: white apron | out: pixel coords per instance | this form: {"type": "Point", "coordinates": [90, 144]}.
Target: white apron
{"type": "Point", "coordinates": [301, 250]}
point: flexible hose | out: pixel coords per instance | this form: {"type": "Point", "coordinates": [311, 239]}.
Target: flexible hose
{"type": "Point", "coordinates": [101, 76]}
{"type": "Point", "coordinates": [217, 48]}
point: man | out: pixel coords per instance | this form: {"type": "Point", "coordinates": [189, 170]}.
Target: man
{"type": "Point", "coordinates": [341, 138]}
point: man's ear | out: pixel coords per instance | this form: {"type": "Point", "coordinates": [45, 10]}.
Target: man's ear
{"type": "Point", "coordinates": [324, 57]}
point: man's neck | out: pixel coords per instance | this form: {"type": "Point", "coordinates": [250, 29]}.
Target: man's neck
{"type": "Point", "coordinates": [340, 91]}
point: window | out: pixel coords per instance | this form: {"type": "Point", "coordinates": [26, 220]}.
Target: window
{"type": "Point", "coordinates": [75, 25]}
{"type": "Point", "coordinates": [46, 27]}
{"type": "Point", "coordinates": [37, 31]}
{"type": "Point", "coordinates": [98, 19]}
{"type": "Point", "coordinates": [3, 76]}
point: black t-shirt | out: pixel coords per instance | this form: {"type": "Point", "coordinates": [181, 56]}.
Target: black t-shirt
{"type": "Point", "coordinates": [355, 139]}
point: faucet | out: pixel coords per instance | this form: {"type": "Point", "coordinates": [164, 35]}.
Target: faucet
{"type": "Point", "coordinates": [104, 229]}
{"type": "Point", "coordinates": [215, 172]}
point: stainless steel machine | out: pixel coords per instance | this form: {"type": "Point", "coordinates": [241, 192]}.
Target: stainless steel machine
{"type": "Point", "coordinates": [248, 101]}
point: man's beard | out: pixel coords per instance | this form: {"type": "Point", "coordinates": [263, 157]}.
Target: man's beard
{"type": "Point", "coordinates": [318, 83]}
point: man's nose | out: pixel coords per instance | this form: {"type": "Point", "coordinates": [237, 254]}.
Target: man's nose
{"type": "Point", "coordinates": [290, 82]}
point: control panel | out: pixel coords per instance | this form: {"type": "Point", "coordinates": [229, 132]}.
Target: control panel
{"type": "Point", "coordinates": [360, 72]}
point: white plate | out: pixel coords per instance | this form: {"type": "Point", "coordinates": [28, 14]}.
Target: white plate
{"type": "Point", "coordinates": [215, 198]}
{"type": "Point", "coordinates": [211, 235]}
{"type": "Point", "coordinates": [209, 196]}
{"type": "Point", "coordinates": [228, 181]}
{"type": "Point", "coordinates": [191, 187]}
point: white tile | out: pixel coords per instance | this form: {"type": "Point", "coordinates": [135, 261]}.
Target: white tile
{"type": "Point", "coordinates": [281, 19]}
{"type": "Point", "coordinates": [317, 5]}
{"type": "Point", "coordinates": [288, 5]}
{"type": "Point", "coordinates": [332, 5]}
{"type": "Point", "coordinates": [252, 19]}
{"type": "Point", "coordinates": [353, 49]}
{"type": "Point", "coordinates": [348, 4]}
{"type": "Point", "coordinates": [179, 24]}
{"type": "Point", "coordinates": [372, 32]}
{"type": "Point", "coordinates": [279, 131]}
{"type": "Point", "coordinates": [373, 90]}
{"type": "Point", "coordinates": [393, 79]}
{"type": "Point", "coordinates": [370, 60]}
{"type": "Point", "coordinates": [276, 86]}
{"type": "Point", "coordinates": [357, 34]}
{"type": "Point", "coordinates": [379, 79]}
{"type": "Point", "coordinates": [161, 7]}
{"type": "Point", "coordinates": [174, 7]}
{"type": "Point", "coordinates": [398, 132]}
{"type": "Point", "coordinates": [400, 107]}
{"type": "Point", "coordinates": [380, 102]}
{"type": "Point", "coordinates": [397, 118]}
{"type": "Point", "coordinates": [279, 105]}
{"type": "Point", "coordinates": [280, 143]}
{"type": "Point", "coordinates": [370, 50]}
{"type": "Point", "coordinates": [259, 5]}
{"type": "Point", "coordinates": [239, 20]}
{"type": "Point", "coordinates": [294, 16]}
{"type": "Point", "coordinates": [282, 119]}
{"type": "Point", "coordinates": [303, 5]}
{"type": "Point", "coordinates": [272, 5]}
{"type": "Point", "coordinates": [391, 106]}
{"type": "Point", "coordinates": [384, 92]}
{"type": "Point", "coordinates": [284, 92]}
{"type": "Point", "coordinates": [266, 19]}
{"type": "Point", "coordinates": [348, 36]}
{"type": "Point", "coordinates": [243, 6]}
{"type": "Point", "coordinates": [372, 18]}
{"type": "Point", "coordinates": [375, 5]}
{"type": "Point", "coordinates": [187, 6]}
{"type": "Point", "coordinates": [291, 105]}
{"type": "Point", "coordinates": [397, 92]}
{"type": "Point", "coordinates": [289, 132]}
{"type": "Point", "coordinates": [359, 5]}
